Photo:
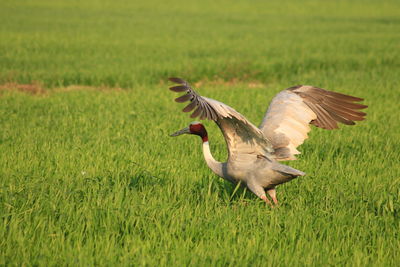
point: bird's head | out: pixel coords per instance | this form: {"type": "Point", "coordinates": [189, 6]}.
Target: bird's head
{"type": "Point", "coordinates": [195, 128]}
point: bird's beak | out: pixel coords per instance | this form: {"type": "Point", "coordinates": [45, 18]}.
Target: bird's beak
{"type": "Point", "coordinates": [183, 131]}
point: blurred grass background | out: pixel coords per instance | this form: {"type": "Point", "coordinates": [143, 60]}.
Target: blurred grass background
{"type": "Point", "coordinates": [128, 43]}
{"type": "Point", "coordinates": [89, 176]}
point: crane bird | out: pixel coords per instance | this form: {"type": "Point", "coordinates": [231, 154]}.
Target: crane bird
{"type": "Point", "coordinates": [253, 153]}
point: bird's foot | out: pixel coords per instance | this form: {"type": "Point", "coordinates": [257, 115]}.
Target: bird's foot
{"type": "Point", "coordinates": [264, 197]}
{"type": "Point", "coordinates": [272, 194]}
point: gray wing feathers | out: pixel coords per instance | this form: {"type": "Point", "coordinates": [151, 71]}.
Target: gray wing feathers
{"type": "Point", "coordinates": [241, 136]}
{"type": "Point", "coordinates": [241, 139]}
{"type": "Point", "coordinates": [286, 122]}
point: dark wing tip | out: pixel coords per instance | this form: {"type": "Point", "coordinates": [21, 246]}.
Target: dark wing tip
{"type": "Point", "coordinates": [179, 88]}
{"type": "Point", "coordinates": [201, 107]}
{"type": "Point", "coordinates": [184, 98]}
{"type": "Point", "coordinates": [177, 80]}
{"type": "Point", "coordinates": [344, 97]}
{"type": "Point", "coordinates": [196, 112]}
{"type": "Point", "coordinates": [190, 107]}
{"type": "Point", "coordinates": [331, 107]}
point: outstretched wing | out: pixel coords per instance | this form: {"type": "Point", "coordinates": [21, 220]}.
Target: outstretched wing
{"type": "Point", "coordinates": [286, 122]}
{"type": "Point", "coordinates": [241, 136]}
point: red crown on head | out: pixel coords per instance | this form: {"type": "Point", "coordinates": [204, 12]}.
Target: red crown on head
{"type": "Point", "coordinates": [198, 129]}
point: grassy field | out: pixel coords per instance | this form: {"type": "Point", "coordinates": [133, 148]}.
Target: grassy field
{"type": "Point", "coordinates": [89, 176]}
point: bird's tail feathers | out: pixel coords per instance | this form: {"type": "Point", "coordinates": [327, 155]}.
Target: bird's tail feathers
{"type": "Point", "coordinates": [287, 170]}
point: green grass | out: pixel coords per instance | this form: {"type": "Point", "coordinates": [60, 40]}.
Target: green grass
{"type": "Point", "coordinates": [125, 43]}
{"type": "Point", "coordinates": [90, 177]}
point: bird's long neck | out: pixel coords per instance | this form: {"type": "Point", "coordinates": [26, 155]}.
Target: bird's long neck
{"type": "Point", "coordinates": [214, 165]}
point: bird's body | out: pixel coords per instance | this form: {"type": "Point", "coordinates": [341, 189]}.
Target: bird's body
{"type": "Point", "coordinates": [250, 168]}
{"type": "Point", "coordinates": [253, 151]}
{"type": "Point", "coordinates": [257, 172]}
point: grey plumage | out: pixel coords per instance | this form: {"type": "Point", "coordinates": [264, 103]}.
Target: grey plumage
{"type": "Point", "coordinates": [254, 152]}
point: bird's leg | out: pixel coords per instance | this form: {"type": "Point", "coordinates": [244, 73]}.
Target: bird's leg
{"type": "Point", "coordinates": [272, 194]}
{"type": "Point", "coordinates": [259, 191]}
